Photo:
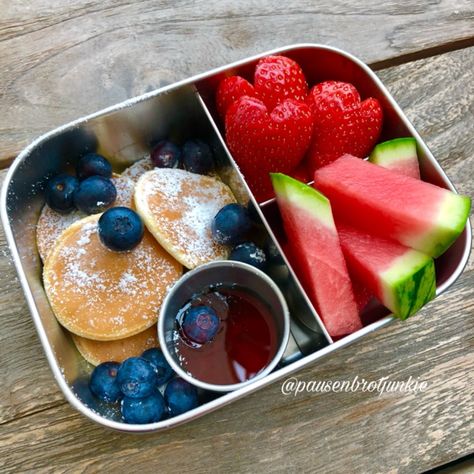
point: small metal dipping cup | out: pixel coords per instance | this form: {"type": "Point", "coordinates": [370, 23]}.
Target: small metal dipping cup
{"type": "Point", "coordinates": [226, 273]}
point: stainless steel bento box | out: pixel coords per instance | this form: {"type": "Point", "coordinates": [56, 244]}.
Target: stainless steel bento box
{"type": "Point", "coordinates": [125, 133]}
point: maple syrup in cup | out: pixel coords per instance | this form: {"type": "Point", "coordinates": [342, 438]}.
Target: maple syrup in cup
{"type": "Point", "coordinates": [253, 326]}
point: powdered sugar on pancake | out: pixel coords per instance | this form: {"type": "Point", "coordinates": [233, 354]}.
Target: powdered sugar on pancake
{"type": "Point", "coordinates": [125, 188]}
{"type": "Point", "coordinates": [178, 208]}
{"type": "Point", "coordinates": [105, 295]}
{"type": "Point", "coordinates": [135, 171]}
{"type": "Point", "coordinates": [50, 226]}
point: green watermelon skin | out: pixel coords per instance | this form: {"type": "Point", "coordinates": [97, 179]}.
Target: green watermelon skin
{"type": "Point", "coordinates": [315, 248]}
{"type": "Point", "coordinates": [397, 155]}
{"type": "Point", "coordinates": [385, 203]}
{"type": "Point", "coordinates": [401, 278]}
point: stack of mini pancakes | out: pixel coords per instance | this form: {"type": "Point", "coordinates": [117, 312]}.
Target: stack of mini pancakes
{"type": "Point", "coordinates": [110, 301]}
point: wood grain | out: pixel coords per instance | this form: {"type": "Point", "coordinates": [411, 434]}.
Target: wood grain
{"type": "Point", "coordinates": [61, 60]}
{"type": "Point", "coordinates": [356, 432]}
{"type": "Point", "coordinates": [344, 432]}
{"type": "Point", "coordinates": [27, 386]}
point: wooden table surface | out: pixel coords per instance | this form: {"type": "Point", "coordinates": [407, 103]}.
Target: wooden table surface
{"type": "Point", "coordinates": [62, 59]}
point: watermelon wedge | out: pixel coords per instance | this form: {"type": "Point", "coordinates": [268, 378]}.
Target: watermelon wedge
{"type": "Point", "coordinates": [362, 293]}
{"type": "Point", "coordinates": [312, 235]}
{"type": "Point", "coordinates": [384, 203]}
{"type": "Point", "coordinates": [401, 278]}
{"type": "Point", "coordinates": [397, 155]}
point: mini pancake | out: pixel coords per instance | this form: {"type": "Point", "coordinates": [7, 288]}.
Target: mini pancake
{"type": "Point", "coordinates": [96, 352]}
{"type": "Point", "coordinates": [140, 167]}
{"type": "Point", "coordinates": [104, 295]}
{"type": "Point", "coordinates": [178, 208]}
{"type": "Point", "coordinates": [125, 188]}
{"type": "Point", "coordinates": [51, 224]}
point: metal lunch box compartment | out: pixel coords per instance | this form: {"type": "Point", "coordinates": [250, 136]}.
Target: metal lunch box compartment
{"type": "Point", "coordinates": [125, 133]}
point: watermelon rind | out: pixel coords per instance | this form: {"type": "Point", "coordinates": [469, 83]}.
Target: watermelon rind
{"type": "Point", "coordinates": [303, 196]}
{"type": "Point", "coordinates": [451, 220]}
{"type": "Point", "coordinates": [393, 151]}
{"type": "Point", "coordinates": [409, 283]}
{"type": "Point", "coordinates": [315, 249]}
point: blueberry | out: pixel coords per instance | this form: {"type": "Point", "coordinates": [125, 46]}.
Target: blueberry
{"type": "Point", "coordinates": [93, 164]}
{"type": "Point", "coordinates": [143, 410]}
{"type": "Point", "coordinates": [180, 396]}
{"type": "Point", "coordinates": [94, 194]}
{"type": "Point", "coordinates": [197, 157]}
{"type": "Point", "coordinates": [248, 252]}
{"type": "Point", "coordinates": [81, 388]}
{"type": "Point", "coordinates": [60, 192]}
{"type": "Point", "coordinates": [231, 224]}
{"type": "Point", "coordinates": [120, 228]}
{"type": "Point", "coordinates": [104, 382]}
{"type": "Point", "coordinates": [157, 359]}
{"type": "Point", "coordinates": [253, 214]}
{"type": "Point", "coordinates": [165, 154]}
{"type": "Point", "coordinates": [200, 324]}
{"type": "Point", "coordinates": [272, 253]}
{"type": "Point", "coordinates": [137, 377]}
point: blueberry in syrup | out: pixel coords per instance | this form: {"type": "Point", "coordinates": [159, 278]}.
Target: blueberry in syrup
{"type": "Point", "coordinates": [214, 300]}
{"type": "Point", "coordinates": [148, 409]}
{"type": "Point", "coordinates": [197, 157]}
{"type": "Point", "coordinates": [60, 192]}
{"type": "Point", "coordinates": [103, 382]}
{"type": "Point", "coordinates": [94, 194]}
{"type": "Point", "coordinates": [165, 154]}
{"type": "Point", "coordinates": [157, 359]}
{"type": "Point", "coordinates": [137, 378]}
{"type": "Point", "coordinates": [248, 252]}
{"type": "Point", "coordinates": [180, 396]}
{"type": "Point", "coordinates": [120, 228]}
{"type": "Point", "coordinates": [200, 324]}
{"type": "Point", "coordinates": [231, 224]}
{"type": "Point", "coordinates": [93, 164]}
{"type": "Point", "coordinates": [245, 343]}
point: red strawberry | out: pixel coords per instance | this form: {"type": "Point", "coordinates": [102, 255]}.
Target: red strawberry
{"type": "Point", "coordinates": [278, 78]}
{"type": "Point", "coordinates": [263, 142]}
{"type": "Point", "coordinates": [342, 123]}
{"type": "Point", "coordinates": [230, 89]}
{"type": "Point", "coordinates": [301, 173]}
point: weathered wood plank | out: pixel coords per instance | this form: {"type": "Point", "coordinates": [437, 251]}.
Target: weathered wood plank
{"type": "Point", "coordinates": [27, 386]}
{"type": "Point", "coordinates": [312, 432]}
{"type": "Point", "coordinates": [353, 432]}
{"type": "Point", "coordinates": [62, 60]}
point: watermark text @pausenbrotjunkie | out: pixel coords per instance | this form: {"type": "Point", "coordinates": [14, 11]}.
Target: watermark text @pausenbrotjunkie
{"type": "Point", "coordinates": [294, 386]}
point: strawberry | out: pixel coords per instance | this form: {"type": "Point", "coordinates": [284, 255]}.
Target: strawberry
{"type": "Point", "coordinates": [301, 172]}
{"type": "Point", "coordinates": [230, 89]}
{"type": "Point", "coordinates": [278, 78]}
{"type": "Point", "coordinates": [263, 142]}
{"type": "Point", "coordinates": [342, 123]}
{"type": "Point", "coordinates": [268, 125]}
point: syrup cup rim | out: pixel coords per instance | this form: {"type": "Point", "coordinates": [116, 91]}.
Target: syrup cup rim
{"type": "Point", "coordinates": [165, 314]}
